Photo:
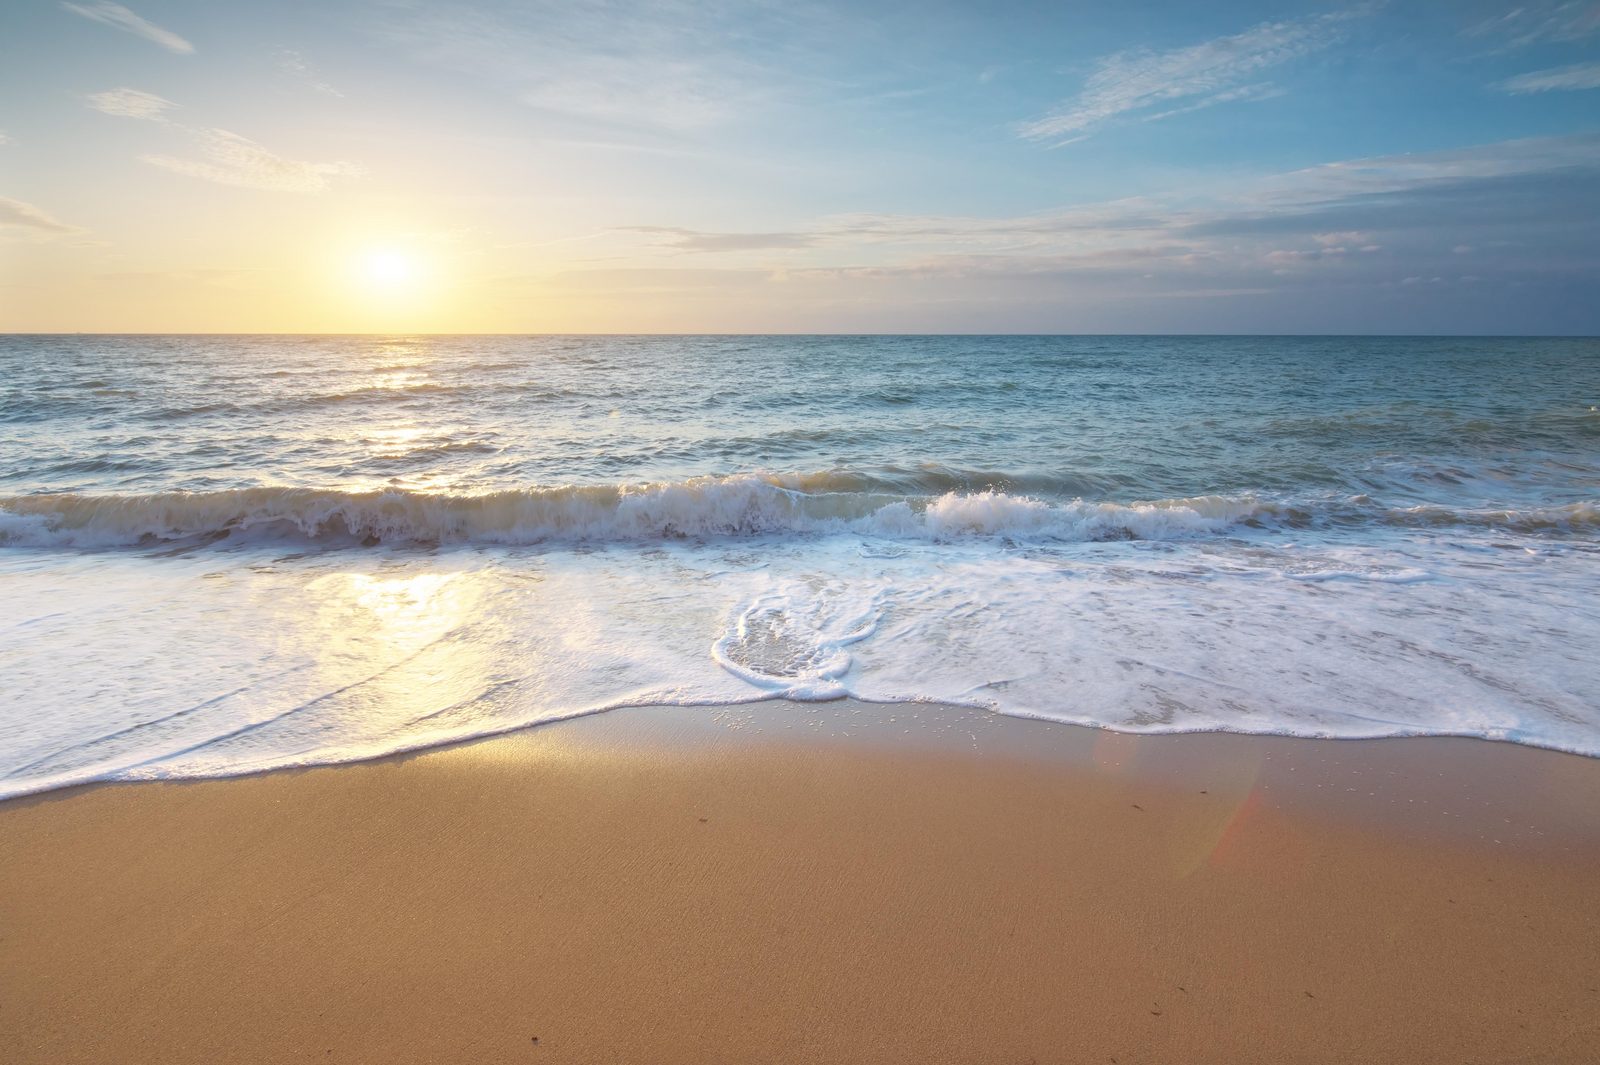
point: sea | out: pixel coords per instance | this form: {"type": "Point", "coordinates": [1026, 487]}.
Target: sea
{"type": "Point", "coordinates": [226, 554]}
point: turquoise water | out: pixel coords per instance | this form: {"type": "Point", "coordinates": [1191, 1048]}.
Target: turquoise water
{"type": "Point", "coordinates": [359, 544]}
{"type": "Point", "coordinates": [1109, 418]}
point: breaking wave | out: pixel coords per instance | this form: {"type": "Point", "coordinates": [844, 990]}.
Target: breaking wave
{"type": "Point", "coordinates": [743, 505]}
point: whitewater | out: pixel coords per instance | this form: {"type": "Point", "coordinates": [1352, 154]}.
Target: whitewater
{"type": "Point", "coordinates": [221, 555]}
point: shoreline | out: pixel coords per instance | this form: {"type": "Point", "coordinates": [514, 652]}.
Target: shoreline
{"type": "Point", "coordinates": [851, 720]}
{"type": "Point", "coordinates": [818, 882]}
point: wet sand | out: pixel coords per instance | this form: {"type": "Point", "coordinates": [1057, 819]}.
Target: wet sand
{"type": "Point", "coordinates": [803, 884]}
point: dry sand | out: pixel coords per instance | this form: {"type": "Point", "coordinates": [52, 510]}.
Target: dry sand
{"type": "Point", "coordinates": [622, 889]}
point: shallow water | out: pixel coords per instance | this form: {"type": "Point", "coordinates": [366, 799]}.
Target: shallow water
{"type": "Point", "coordinates": [225, 554]}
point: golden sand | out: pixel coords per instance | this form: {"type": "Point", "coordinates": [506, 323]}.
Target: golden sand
{"type": "Point", "coordinates": [554, 897]}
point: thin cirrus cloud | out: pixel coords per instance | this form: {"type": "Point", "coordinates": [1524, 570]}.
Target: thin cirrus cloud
{"type": "Point", "coordinates": [225, 158]}
{"type": "Point", "coordinates": [14, 214]}
{"type": "Point", "coordinates": [1373, 179]}
{"type": "Point", "coordinates": [116, 15]}
{"type": "Point", "coordinates": [229, 159]}
{"type": "Point", "coordinates": [129, 103]}
{"type": "Point", "coordinates": [1243, 94]}
{"type": "Point", "coordinates": [633, 70]}
{"type": "Point", "coordinates": [296, 66]}
{"type": "Point", "coordinates": [691, 240]}
{"type": "Point", "coordinates": [1213, 72]}
{"type": "Point", "coordinates": [1559, 79]}
{"type": "Point", "coordinates": [1539, 23]}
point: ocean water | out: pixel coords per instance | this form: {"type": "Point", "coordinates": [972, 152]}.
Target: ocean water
{"type": "Point", "coordinates": [225, 554]}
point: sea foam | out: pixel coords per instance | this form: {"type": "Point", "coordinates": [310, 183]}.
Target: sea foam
{"type": "Point", "coordinates": [236, 659]}
{"type": "Point", "coordinates": [737, 506]}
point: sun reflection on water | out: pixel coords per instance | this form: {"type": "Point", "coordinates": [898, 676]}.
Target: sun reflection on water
{"type": "Point", "coordinates": [401, 652]}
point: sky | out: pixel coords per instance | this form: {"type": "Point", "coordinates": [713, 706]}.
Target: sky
{"type": "Point", "coordinates": [1430, 166]}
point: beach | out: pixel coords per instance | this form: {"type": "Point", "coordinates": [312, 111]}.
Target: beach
{"type": "Point", "coordinates": [626, 533]}
{"type": "Point", "coordinates": [840, 882]}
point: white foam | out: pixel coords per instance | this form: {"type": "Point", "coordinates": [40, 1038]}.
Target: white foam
{"type": "Point", "coordinates": [741, 505]}
{"type": "Point", "coordinates": [215, 662]}
{"type": "Point", "coordinates": [744, 505]}
{"type": "Point", "coordinates": [1404, 575]}
{"type": "Point", "coordinates": [792, 642]}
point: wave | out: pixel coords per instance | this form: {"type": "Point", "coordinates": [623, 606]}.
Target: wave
{"type": "Point", "coordinates": [742, 505]}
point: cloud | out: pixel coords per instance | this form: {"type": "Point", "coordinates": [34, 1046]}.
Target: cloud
{"type": "Point", "coordinates": [1326, 237]}
{"type": "Point", "coordinates": [1379, 183]}
{"type": "Point", "coordinates": [701, 241]}
{"type": "Point", "coordinates": [1214, 71]}
{"type": "Point", "coordinates": [123, 19]}
{"type": "Point", "coordinates": [235, 278]}
{"type": "Point", "coordinates": [19, 215]}
{"type": "Point", "coordinates": [1322, 249]}
{"type": "Point", "coordinates": [129, 103]}
{"type": "Point", "coordinates": [673, 96]}
{"type": "Point", "coordinates": [1537, 23]}
{"type": "Point", "coordinates": [650, 71]}
{"type": "Point", "coordinates": [296, 66]}
{"type": "Point", "coordinates": [1079, 225]}
{"type": "Point", "coordinates": [1244, 93]}
{"type": "Point", "coordinates": [229, 159]}
{"type": "Point", "coordinates": [623, 65]}
{"type": "Point", "coordinates": [4, 139]}
{"type": "Point", "coordinates": [1347, 237]}
{"type": "Point", "coordinates": [1577, 76]}
{"type": "Point", "coordinates": [226, 158]}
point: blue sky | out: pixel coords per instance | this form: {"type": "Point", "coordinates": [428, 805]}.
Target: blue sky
{"type": "Point", "coordinates": [1077, 167]}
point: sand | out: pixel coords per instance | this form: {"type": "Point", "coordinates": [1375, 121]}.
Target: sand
{"type": "Point", "coordinates": [834, 888]}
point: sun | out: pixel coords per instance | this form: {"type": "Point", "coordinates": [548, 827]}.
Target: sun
{"type": "Point", "coordinates": [384, 283]}
{"type": "Point", "coordinates": [389, 270]}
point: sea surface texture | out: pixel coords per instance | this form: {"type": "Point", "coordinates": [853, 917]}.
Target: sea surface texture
{"type": "Point", "coordinates": [226, 554]}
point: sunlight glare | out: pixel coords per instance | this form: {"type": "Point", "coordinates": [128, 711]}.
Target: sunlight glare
{"type": "Point", "coordinates": [388, 270]}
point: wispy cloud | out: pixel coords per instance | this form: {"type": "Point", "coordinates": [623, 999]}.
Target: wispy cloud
{"type": "Point", "coordinates": [225, 157]}
{"type": "Point", "coordinates": [1381, 182]}
{"type": "Point", "coordinates": [1244, 93]}
{"type": "Point", "coordinates": [1577, 76]}
{"type": "Point", "coordinates": [1081, 226]}
{"type": "Point", "coordinates": [1542, 22]}
{"type": "Point", "coordinates": [648, 71]}
{"type": "Point", "coordinates": [129, 103]}
{"type": "Point", "coordinates": [1347, 237]}
{"type": "Point", "coordinates": [226, 277]}
{"type": "Point", "coordinates": [700, 241]}
{"type": "Point", "coordinates": [123, 19]}
{"type": "Point", "coordinates": [1205, 74]}
{"type": "Point", "coordinates": [624, 65]}
{"type": "Point", "coordinates": [296, 66]}
{"type": "Point", "coordinates": [1357, 223]}
{"type": "Point", "coordinates": [19, 215]}
{"type": "Point", "coordinates": [229, 159]}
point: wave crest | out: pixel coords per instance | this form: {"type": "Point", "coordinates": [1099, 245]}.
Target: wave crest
{"type": "Point", "coordinates": [742, 505]}
{"type": "Point", "coordinates": [703, 507]}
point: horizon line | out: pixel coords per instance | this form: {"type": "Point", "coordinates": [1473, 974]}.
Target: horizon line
{"type": "Point", "coordinates": [878, 333]}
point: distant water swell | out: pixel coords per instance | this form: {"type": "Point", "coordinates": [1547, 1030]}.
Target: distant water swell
{"type": "Point", "coordinates": [745, 505]}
